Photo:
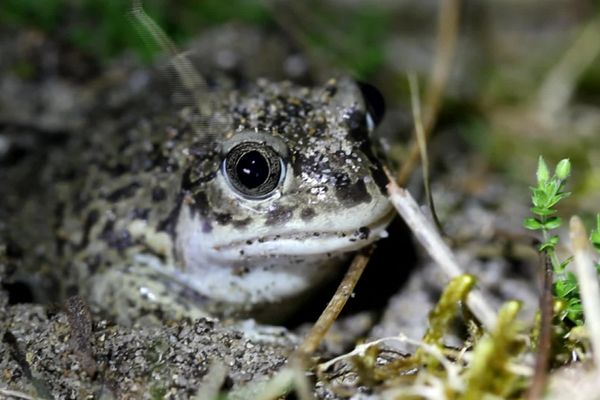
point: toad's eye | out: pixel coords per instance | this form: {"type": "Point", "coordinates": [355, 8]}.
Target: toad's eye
{"type": "Point", "coordinates": [374, 102]}
{"type": "Point", "coordinates": [254, 170]}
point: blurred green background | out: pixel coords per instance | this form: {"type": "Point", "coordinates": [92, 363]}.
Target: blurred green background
{"type": "Point", "coordinates": [103, 30]}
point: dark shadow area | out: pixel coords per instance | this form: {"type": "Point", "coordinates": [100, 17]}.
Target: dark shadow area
{"type": "Point", "coordinates": [389, 268]}
{"type": "Point", "coordinates": [390, 265]}
{"type": "Point", "coordinates": [18, 293]}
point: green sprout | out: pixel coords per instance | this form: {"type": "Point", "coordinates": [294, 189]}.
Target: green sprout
{"type": "Point", "coordinates": [595, 235]}
{"type": "Point", "coordinates": [544, 197]}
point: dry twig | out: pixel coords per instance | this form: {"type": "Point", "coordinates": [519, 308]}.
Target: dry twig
{"type": "Point", "coordinates": [588, 284]}
{"type": "Point", "coordinates": [336, 304]}
{"type": "Point", "coordinates": [540, 375]}
{"type": "Point", "coordinates": [439, 251]}
{"type": "Point", "coordinates": [294, 375]}
{"type": "Point", "coordinates": [422, 143]}
{"type": "Point", "coordinates": [445, 44]}
{"type": "Point", "coordinates": [17, 395]}
{"type": "Point", "coordinates": [212, 382]}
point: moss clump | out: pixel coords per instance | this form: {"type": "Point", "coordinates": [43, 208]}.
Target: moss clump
{"type": "Point", "coordinates": [488, 373]}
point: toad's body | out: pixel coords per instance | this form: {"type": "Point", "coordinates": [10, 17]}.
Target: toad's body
{"type": "Point", "coordinates": [240, 214]}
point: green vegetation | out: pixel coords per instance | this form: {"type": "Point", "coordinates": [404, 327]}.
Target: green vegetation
{"type": "Point", "coordinates": [353, 41]}
{"type": "Point", "coordinates": [482, 368]}
{"type": "Point", "coordinates": [489, 363]}
{"type": "Point", "coordinates": [489, 373]}
{"type": "Point", "coordinates": [545, 196]}
{"type": "Point", "coordinates": [566, 288]}
{"type": "Point", "coordinates": [103, 30]}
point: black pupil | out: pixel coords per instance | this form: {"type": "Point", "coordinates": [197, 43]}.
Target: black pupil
{"type": "Point", "coordinates": [252, 169]}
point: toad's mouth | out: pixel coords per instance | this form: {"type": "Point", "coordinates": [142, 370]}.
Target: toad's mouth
{"type": "Point", "coordinates": [300, 242]}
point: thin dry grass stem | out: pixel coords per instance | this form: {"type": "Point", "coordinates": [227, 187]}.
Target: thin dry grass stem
{"type": "Point", "coordinates": [17, 395]}
{"type": "Point", "coordinates": [425, 385]}
{"type": "Point", "coordinates": [447, 32]}
{"type": "Point", "coordinates": [422, 143]}
{"type": "Point", "coordinates": [277, 386]}
{"type": "Point", "coordinates": [540, 376]}
{"type": "Point", "coordinates": [212, 381]}
{"type": "Point", "coordinates": [588, 284]}
{"type": "Point", "coordinates": [429, 386]}
{"type": "Point", "coordinates": [186, 71]}
{"type": "Point", "coordinates": [520, 369]}
{"type": "Point", "coordinates": [434, 392]}
{"type": "Point", "coordinates": [559, 85]}
{"type": "Point", "coordinates": [190, 78]}
{"type": "Point", "coordinates": [453, 370]}
{"type": "Point", "coordinates": [336, 304]}
{"type": "Point", "coordinates": [302, 386]}
{"type": "Point", "coordinates": [439, 251]}
{"type": "Point", "coordinates": [293, 377]}
{"type": "Point", "coordinates": [465, 357]}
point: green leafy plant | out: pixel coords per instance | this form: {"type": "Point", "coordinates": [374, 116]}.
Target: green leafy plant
{"type": "Point", "coordinates": [544, 197]}
{"type": "Point", "coordinates": [595, 236]}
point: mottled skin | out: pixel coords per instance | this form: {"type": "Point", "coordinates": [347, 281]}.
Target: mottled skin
{"type": "Point", "coordinates": [147, 222]}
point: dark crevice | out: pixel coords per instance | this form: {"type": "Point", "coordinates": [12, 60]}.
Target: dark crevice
{"type": "Point", "coordinates": [18, 293]}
